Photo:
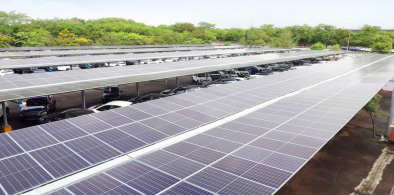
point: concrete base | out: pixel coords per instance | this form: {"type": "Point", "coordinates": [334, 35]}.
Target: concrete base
{"type": "Point", "coordinates": [6, 129]}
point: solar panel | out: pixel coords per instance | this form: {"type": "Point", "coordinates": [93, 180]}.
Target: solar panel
{"type": "Point", "coordinates": [264, 164]}
{"type": "Point", "coordinates": [94, 149]}
{"type": "Point", "coordinates": [120, 51]}
{"type": "Point", "coordinates": [60, 82]}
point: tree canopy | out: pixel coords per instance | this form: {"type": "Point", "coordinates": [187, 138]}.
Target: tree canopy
{"type": "Point", "coordinates": [318, 46]}
{"type": "Point", "coordinates": [22, 30]}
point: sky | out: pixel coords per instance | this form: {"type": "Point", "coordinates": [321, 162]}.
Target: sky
{"type": "Point", "coordinates": [223, 13]}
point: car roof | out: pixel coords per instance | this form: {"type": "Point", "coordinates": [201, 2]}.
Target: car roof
{"type": "Point", "coordinates": [118, 103]}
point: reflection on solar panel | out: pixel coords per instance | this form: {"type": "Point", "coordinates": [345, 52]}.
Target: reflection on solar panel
{"type": "Point", "coordinates": [255, 167]}
{"type": "Point", "coordinates": [118, 51]}
{"type": "Point", "coordinates": [99, 47]}
{"type": "Point", "coordinates": [29, 85]}
{"type": "Point", "coordinates": [101, 145]}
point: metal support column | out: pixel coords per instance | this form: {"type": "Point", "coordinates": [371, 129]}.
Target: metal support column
{"type": "Point", "coordinates": [177, 82]}
{"type": "Point", "coordinates": [4, 114]}
{"type": "Point", "coordinates": [137, 89]}
{"type": "Point", "coordinates": [391, 116]}
{"type": "Point", "coordinates": [83, 99]}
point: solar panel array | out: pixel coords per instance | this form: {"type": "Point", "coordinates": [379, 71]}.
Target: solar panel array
{"type": "Point", "coordinates": [29, 85]}
{"type": "Point", "coordinates": [51, 151]}
{"type": "Point", "coordinates": [254, 154]}
{"type": "Point", "coordinates": [118, 51]}
{"type": "Point", "coordinates": [43, 62]}
{"type": "Point", "coordinates": [99, 47]}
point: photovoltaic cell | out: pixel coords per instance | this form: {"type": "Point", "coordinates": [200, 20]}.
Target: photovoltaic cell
{"type": "Point", "coordinates": [284, 162]}
{"type": "Point", "coordinates": [212, 179]}
{"type": "Point", "coordinates": [20, 173]}
{"type": "Point", "coordinates": [185, 188]}
{"type": "Point", "coordinates": [246, 187]}
{"type": "Point", "coordinates": [101, 184]}
{"type": "Point", "coordinates": [119, 140]}
{"type": "Point", "coordinates": [267, 175]}
{"type": "Point", "coordinates": [181, 167]}
{"type": "Point", "coordinates": [152, 182]}
{"type": "Point", "coordinates": [61, 192]}
{"type": "Point", "coordinates": [205, 156]}
{"type": "Point", "coordinates": [92, 149]}
{"type": "Point", "coordinates": [234, 165]}
{"type": "Point", "coordinates": [33, 138]}
{"type": "Point", "coordinates": [63, 130]}
{"type": "Point", "coordinates": [8, 147]}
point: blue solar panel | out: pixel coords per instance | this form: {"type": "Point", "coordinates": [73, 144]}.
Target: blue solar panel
{"type": "Point", "coordinates": [59, 160]}
{"type": "Point", "coordinates": [246, 187]}
{"type": "Point", "coordinates": [33, 138]}
{"type": "Point", "coordinates": [142, 132]}
{"type": "Point", "coordinates": [252, 153]}
{"type": "Point", "coordinates": [8, 147]}
{"type": "Point", "coordinates": [92, 149]}
{"type": "Point", "coordinates": [212, 179]}
{"type": "Point", "coordinates": [205, 156]}
{"type": "Point", "coordinates": [101, 184]}
{"type": "Point", "coordinates": [112, 118]}
{"type": "Point", "coordinates": [185, 188]}
{"type": "Point", "coordinates": [224, 146]}
{"type": "Point", "coordinates": [61, 192]}
{"type": "Point", "coordinates": [133, 113]}
{"type": "Point", "coordinates": [158, 158]}
{"type": "Point", "coordinates": [63, 130]}
{"type": "Point", "coordinates": [152, 182]}
{"type": "Point", "coordinates": [181, 167]}
{"type": "Point", "coordinates": [20, 173]}
{"type": "Point", "coordinates": [128, 171]}
{"type": "Point", "coordinates": [284, 162]}
{"type": "Point", "coordinates": [90, 124]}
{"type": "Point", "coordinates": [234, 165]}
{"type": "Point", "coordinates": [182, 148]}
{"type": "Point", "coordinates": [267, 175]}
{"type": "Point", "coordinates": [119, 140]}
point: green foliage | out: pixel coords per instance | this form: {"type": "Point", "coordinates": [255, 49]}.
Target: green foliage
{"type": "Point", "coordinates": [227, 43]}
{"type": "Point", "coordinates": [206, 25]}
{"type": "Point", "coordinates": [374, 110]}
{"type": "Point", "coordinates": [336, 47]}
{"type": "Point", "coordinates": [118, 31]}
{"type": "Point", "coordinates": [6, 41]}
{"type": "Point", "coordinates": [35, 38]}
{"type": "Point", "coordinates": [285, 40]}
{"type": "Point", "coordinates": [382, 44]}
{"type": "Point", "coordinates": [318, 46]}
{"type": "Point", "coordinates": [254, 37]}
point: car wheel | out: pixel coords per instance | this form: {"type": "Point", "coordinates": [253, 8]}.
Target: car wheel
{"type": "Point", "coordinates": [146, 63]}
{"type": "Point", "coordinates": [67, 69]}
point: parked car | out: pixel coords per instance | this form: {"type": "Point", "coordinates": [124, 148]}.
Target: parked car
{"type": "Point", "coordinates": [109, 106]}
{"type": "Point", "coordinates": [111, 93]}
{"type": "Point", "coordinates": [28, 71]}
{"type": "Point", "coordinates": [217, 75]}
{"type": "Point", "coordinates": [179, 90]}
{"type": "Point", "coordinates": [38, 107]}
{"type": "Point", "coordinates": [228, 80]}
{"type": "Point", "coordinates": [155, 61]}
{"type": "Point", "coordinates": [171, 60]}
{"type": "Point", "coordinates": [4, 72]}
{"type": "Point", "coordinates": [241, 72]}
{"type": "Point", "coordinates": [131, 63]}
{"type": "Point", "coordinates": [71, 113]}
{"type": "Point", "coordinates": [7, 109]}
{"type": "Point", "coordinates": [197, 58]}
{"type": "Point", "coordinates": [230, 73]}
{"type": "Point", "coordinates": [113, 64]}
{"type": "Point", "coordinates": [46, 69]}
{"type": "Point", "coordinates": [85, 66]}
{"type": "Point", "coordinates": [147, 97]}
{"type": "Point", "coordinates": [62, 68]}
{"type": "Point", "coordinates": [200, 78]}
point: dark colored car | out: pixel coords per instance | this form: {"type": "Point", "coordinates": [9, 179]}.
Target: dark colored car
{"type": "Point", "coordinates": [71, 113]}
{"type": "Point", "coordinates": [147, 97]}
{"type": "Point", "coordinates": [85, 66]}
{"type": "Point", "coordinates": [112, 93]}
{"type": "Point", "coordinates": [38, 107]}
{"type": "Point", "coordinates": [217, 75]}
{"type": "Point", "coordinates": [47, 69]}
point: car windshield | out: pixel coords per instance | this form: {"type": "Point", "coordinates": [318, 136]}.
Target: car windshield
{"type": "Point", "coordinates": [36, 102]}
{"type": "Point", "coordinates": [114, 90]}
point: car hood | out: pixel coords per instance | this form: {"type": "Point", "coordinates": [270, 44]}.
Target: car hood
{"type": "Point", "coordinates": [33, 108]}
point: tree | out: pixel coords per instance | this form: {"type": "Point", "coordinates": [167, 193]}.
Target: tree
{"type": "Point", "coordinates": [318, 46]}
{"type": "Point", "coordinates": [285, 40]}
{"type": "Point", "coordinates": [342, 35]}
{"type": "Point", "coordinates": [12, 22]}
{"type": "Point", "coordinates": [254, 37]}
{"type": "Point", "coordinates": [35, 38]}
{"type": "Point", "coordinates": [67, 38]}
{"type": "Point", "coordinates": [374, 110]}
{"type": "Point", "coordinates": [227, 43]}
{"type": "Point", "coordinates": [181, 27]}
{"type": "Point", "coordinates": [336, 47]}
{"type": "Point", "coordinates": [206, 25]}
{"type": "Point", "coordinates": [111, 38]}
{"type": "Point", "coordinates": [382, 44]}
{"type": "Point", "coordinates": [325, 34]}
{"type": "Point", "coordinates": [302, 34]}
{"type": "Point", "coordinates": [6, 41]}
{"type": "Point", "coordinates": [367, 35]}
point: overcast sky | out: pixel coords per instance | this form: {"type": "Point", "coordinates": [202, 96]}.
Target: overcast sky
{"type": "Point", "coordinates": [223, 13]}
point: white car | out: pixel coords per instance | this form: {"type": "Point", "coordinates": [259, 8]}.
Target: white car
{"type": "Point", "coordinates": [5, 72]}
{"type": "Point", "coordinates": [171, 60]}
{"type": "Point", "coordinates": [197, 58]}
{"type": "Point", "coordinates": [156, 61]}
{"type": "Point", "coordinates": [200, 78]}
{"type": "Point", "coordinates": [113, 64]}
{"type": "Point", "coordinates": [6, 108]}
{"type": "Point", "coordinates": [63, 68]}
{"type": "Point", "coordinates": [109, 106]}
